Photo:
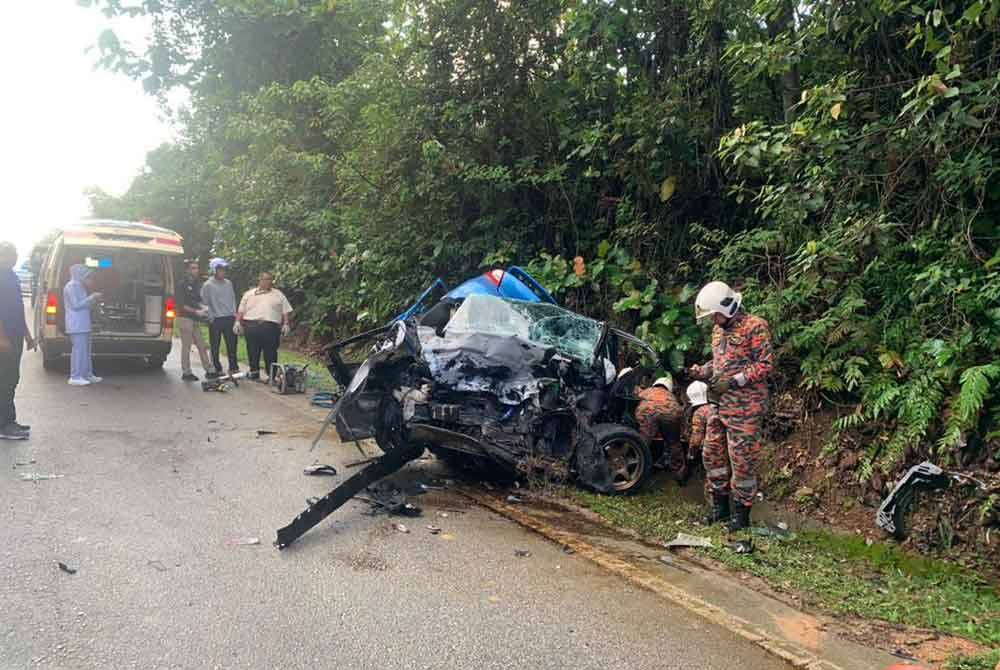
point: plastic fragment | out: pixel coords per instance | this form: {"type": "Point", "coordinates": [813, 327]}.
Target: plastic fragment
{"type": "Point", "coordinates": [686, 540]}
{"type": "Point", "coordinates": [37, 477]}
{"type": "Point", "coordinates": [318, 469]}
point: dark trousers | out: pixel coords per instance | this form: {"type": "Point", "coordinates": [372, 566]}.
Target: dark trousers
{"type": "Point", "coordinates": [263, 337]}
{"type": "Point", "coordinates": [10, 376]}
{"type": "Point", "coordinates": [218, 329]}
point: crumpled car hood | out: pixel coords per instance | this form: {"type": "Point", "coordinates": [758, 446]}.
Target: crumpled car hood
{"type": "Point", "coordinates": [504, 365]}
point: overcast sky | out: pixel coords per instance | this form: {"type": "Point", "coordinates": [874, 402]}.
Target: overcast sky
{"type": "Point", "coordinates": [65, 126]}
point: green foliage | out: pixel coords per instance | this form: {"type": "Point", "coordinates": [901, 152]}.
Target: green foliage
{"type": "Point", "coordinates": [616, 284]}
{"type": "Point", "coordinates": [839, 164]}
{"type": "Point", "coordinates": [986, 661]}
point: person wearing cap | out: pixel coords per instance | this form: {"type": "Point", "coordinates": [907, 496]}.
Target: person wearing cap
{"type": "Point", "coordinates": [219, 298]}
{"type": "Point", "coordinates": [660, 414]}
{"type": "Point", "coordinates": [742, 360]}
{"type": "Point", "coordinates": [263, 315]}
{"type": "Point", "coordinates": [190, 314]}
{"type": "Point", "coordinates": [708, 435]}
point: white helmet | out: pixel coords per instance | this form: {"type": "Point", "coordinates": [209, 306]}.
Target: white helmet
{"type": "Point", "coordinates": [697, 393]}
{"type": "Point", "coordinates": [217, 263]}
{"type": "Point", "coordinates": [666, 382]}
{"type": "Point", "coordinates": [716, 298]}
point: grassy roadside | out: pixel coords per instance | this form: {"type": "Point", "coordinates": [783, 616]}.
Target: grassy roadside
{"type": "Point", "coordinates": [319, 378]}
{"type": "Point", "coordinates": [988, 661]}
{"type": "Point", "coordinates": [840, 574]}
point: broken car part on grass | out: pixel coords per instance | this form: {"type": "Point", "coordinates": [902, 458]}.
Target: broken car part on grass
{"type": "Point", "coordinates": [892, 513]}
{"type": "Point", "coordinates": [489, 382]}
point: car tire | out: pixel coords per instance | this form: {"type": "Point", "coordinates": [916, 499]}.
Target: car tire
{"type": "Point", "coordinates": [629, 457]}
{"type": "Point", "coordinates": [157, 362]}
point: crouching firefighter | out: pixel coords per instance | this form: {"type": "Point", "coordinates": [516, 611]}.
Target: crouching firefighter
{"type": "Point", "coordinates": [708, 435]}
{"type": "Point", "coordinates": [742, 360]}
{"type": "Point", "coordinates": [659, 414]}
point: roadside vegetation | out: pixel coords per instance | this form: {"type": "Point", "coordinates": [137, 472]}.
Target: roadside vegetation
{"type": "Point", "coordinates": [838, 574]}
{"type": "Point", "coordinates": [839, 163]}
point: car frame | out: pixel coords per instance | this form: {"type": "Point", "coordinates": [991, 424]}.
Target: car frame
{"type": "Point", "coordinates": [560, 410]}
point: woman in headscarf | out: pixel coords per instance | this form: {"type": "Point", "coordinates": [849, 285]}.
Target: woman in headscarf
{"type": "Point", "coordinates": [78, 301]}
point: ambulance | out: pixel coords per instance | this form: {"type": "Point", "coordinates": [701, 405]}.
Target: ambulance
{"type": "Point", "coordinates": [133, 269]}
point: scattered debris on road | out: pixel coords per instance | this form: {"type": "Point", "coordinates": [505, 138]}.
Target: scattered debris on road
{"type": "Point", "coordinates": [434, 530]}
{"type": "Point", "coordinates": [37, 477]}
{"type": "Point", "coordinates": [222, 384]}
{"type": "Point", "coordinates": [742, 547]}
{"type": "Point", "coordinates": [245, 541]}
{"type": "Point", "coordinates": [324, 470]}
{"type": "Point", "coordinates": [391, 462]}
{"type": "Point", "coordinates": [390, 500]}
{"type": "Point", "coordinates": [157, 565]}
{"type": "Point", "coordinates": [18, 464]}
{"type": "Point", "coordinates": [399, 527]}
{"type": "Point", "coordinates": [514, 499]}
{"type": "Point", "coordinates": [262, 432]}
{"type": "Point", "coordinates": [522, 553]}
{"type": "Point", "coordinates": [65, 568]}
{"type": "Point", "coordinates": [686, 540]}
{"type": "Point", "coordinates": [363, 461]}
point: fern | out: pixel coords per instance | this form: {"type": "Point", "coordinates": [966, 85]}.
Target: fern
{"type": "Point", "coordinates": [976, 386]}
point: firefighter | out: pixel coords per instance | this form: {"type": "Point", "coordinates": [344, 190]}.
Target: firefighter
{"type": "Point", "coordinates": [708, 435]}
{"type": "Point", "coordinates": [659, 413]}
{"type": "Point", "coordinates": [737, 375]}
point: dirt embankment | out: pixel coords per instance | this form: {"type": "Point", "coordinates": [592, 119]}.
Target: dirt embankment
{"type": "Point", "coordinates": [804, 469]}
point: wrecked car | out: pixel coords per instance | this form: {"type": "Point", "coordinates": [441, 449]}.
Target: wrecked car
{"type": "Point", "coordinates": [491, 381]}
{"type": "Point", "coordinates": [529, 386]}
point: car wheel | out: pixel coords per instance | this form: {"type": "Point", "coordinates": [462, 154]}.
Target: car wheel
{"type": "Point", "coordinates": [157, 362]}
{"type": "Point", "coordinates": [630, 460]}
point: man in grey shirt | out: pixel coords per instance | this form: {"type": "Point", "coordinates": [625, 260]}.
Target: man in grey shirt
{"type": "Point", "coordinates": [218, 296]}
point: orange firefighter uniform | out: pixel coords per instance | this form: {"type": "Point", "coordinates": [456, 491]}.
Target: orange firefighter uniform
{"type": "Point", "coordinates": [742, 359]}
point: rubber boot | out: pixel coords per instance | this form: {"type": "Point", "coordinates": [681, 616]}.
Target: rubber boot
{"type": "Point", "coordinates": [740, 518]}
{"type": "Point", "coordinates": [719, 511]}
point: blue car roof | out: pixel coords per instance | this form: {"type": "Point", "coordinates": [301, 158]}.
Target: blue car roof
{"type": "Point", "coordinates": [513, 282]}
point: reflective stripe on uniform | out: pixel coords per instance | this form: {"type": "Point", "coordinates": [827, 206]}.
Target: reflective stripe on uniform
{"type": "Point", "coordinates": [715, 473]}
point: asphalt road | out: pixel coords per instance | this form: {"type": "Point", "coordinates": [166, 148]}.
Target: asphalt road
{"type": "Point", "coordinates": [160, 481]}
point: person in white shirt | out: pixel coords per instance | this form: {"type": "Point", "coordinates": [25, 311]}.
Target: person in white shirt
{"type": "Point", "coordinates": [263, 316]}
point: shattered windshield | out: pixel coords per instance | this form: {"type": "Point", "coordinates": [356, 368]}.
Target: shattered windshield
{"type": "Point", "coordinates": [544, 324]}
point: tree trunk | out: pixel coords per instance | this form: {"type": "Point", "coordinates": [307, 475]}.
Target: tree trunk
{"type": "Point", "coordinates": [782, 20]}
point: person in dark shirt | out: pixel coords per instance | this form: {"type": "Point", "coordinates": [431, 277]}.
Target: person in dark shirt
{"type": "Point", "coordinates": [14, 337]}
{"type": "Point", "coordinates": [190, 313]}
